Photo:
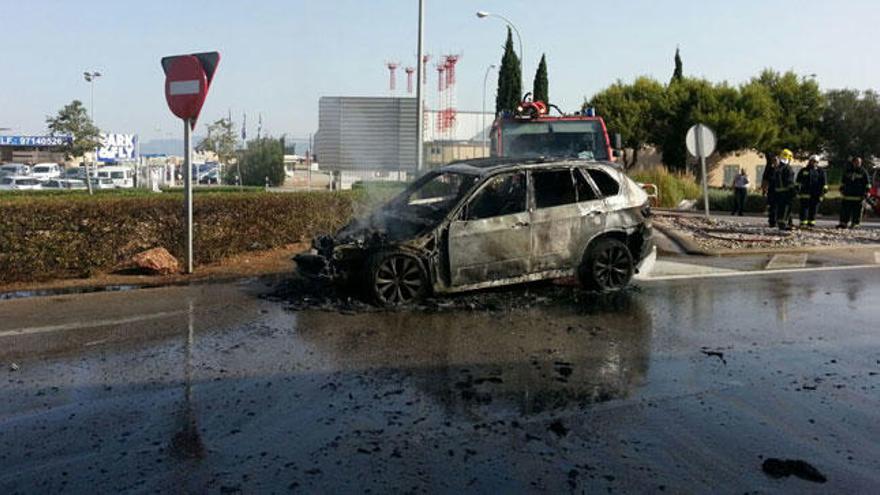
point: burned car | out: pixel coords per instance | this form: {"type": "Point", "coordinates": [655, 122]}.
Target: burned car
{"type": "Point", "coordinates": [493, 222]}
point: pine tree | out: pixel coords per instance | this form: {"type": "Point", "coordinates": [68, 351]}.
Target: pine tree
{"type": "Point", "coordinates": [509, 79]}
{"type": "Point", "coordinates": [541, 87]}
{"type": "Point", "coordinates": [678, 74]}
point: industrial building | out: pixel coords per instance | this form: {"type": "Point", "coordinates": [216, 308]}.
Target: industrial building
{"type": "Point", "coordinates": [375, 137]}
{"type": "Point", "coordinates": [33, 149]}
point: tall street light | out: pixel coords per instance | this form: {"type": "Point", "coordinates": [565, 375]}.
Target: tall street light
{"type": "Point", "coordinates": [420, 104]}
{"type": "Point", "coordinates": [90, 78]}
{"type": "Point", "coordinates": [485, 78]}
{"type": "Point", "coordinates": [482, 14]}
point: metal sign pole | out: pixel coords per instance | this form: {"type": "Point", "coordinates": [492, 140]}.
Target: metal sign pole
{"type": "Point", "coordinates": [698, 135]}
{"type": "Point", "coordinates": [187, 181]}
{"type": "Point", "coordinates": [420, 105]}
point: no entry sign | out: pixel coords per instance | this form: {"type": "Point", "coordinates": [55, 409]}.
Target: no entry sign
{"type": "Point", "coordinates": [187, 79]}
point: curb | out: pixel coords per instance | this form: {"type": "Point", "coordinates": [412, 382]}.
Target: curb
{"type": "Point", "coordinates": [684, 241]}
{"type": "Point", "coordinates": [11, 295]}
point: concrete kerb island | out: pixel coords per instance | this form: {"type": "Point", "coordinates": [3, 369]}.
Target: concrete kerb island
{"type": "Point", "coordinates": [691, 247]}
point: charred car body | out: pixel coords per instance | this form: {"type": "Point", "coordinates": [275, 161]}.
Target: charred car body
{"type": "Point", "coordinates": [493, 222]}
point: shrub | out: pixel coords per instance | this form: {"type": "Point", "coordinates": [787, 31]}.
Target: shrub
{"type": "Point", "coordinates": [57, 236]}
{"type": "Point", "coordinates": [673, 187]}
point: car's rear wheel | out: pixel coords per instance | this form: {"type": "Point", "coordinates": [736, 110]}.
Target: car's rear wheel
{"type": "Point", "coordinates": [395, 279]}
{"type": "Point", "coordinates": [607, 266]}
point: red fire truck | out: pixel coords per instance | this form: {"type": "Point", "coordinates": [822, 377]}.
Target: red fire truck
{"type": "Point", "coordinates": [531, 132]}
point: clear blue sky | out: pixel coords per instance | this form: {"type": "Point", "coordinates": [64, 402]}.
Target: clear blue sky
{"type": "Point", "coordinates": [279, 56]}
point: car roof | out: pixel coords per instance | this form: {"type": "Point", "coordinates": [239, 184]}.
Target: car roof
{"type": "Point", "coordinates": [490, 166]}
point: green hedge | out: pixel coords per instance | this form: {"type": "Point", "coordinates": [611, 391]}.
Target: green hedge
{"type": "Point", "coordinates": [722, 200]}
{"type": "Point", "coordinates": [55, 236]}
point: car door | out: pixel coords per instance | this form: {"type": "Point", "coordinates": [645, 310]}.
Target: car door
{"type": "Point", "coordinates": [567, 213]}
{"type": "Point", "coordinates": [491, 238]}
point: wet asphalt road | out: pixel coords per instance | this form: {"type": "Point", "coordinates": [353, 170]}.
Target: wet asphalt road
{"type": "Point", "coordinates": [680, 386]}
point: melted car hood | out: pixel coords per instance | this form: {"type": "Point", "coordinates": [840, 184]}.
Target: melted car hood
{"type": "Point", "coordinates": [388, 226]}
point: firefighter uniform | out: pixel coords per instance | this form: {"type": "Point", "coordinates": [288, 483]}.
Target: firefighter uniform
{"type": "Point", "coordinates": [811, 187]}
{"type": "Point", "coordinates": [783, 186]}
{"type": "Point", "coordinates": [854, 187]}
{"type": "Point", "coordinates": [769, 187]}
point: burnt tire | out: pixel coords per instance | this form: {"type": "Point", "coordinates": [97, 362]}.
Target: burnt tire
{"type": "Point", "coordinates": [395, 279]}
{"type": "Point", "coordinates": [607, 267]}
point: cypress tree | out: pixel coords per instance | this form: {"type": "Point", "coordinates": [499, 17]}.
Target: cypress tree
{"type": "Point", "coordinates": [509, 79]}
{"type": "Point", "coordinates": [678, 74]}
{"type": "Point", "coordinates": [541, 87]}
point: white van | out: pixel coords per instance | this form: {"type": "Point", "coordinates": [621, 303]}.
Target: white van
{"type": "Point", "coordinates": [44, 171]}
{"type": "Point", "coordinates": [122, 177]}
{"type": "Point", "coordinates": [19, 183]}
{"type": "Point", "coordinates": [14, 169]}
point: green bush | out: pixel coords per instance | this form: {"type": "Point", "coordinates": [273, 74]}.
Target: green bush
{"type": "Point", "coordinates": [54, 236]}
{"type": "Point", "coordinates": [673, 187]}
{"type": "Point", "coordinates": [722, 200]}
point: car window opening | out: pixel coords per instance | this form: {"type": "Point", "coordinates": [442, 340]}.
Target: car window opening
{"type": "Point", "coordinates": [554, 188]}
{"type": "Point", "coordinates": [606, 184]}
{"type": "Point", "coordinates": [502, 195]}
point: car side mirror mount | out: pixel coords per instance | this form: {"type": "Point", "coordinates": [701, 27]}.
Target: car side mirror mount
{"type": "Point", "coordinates": [617, 153]}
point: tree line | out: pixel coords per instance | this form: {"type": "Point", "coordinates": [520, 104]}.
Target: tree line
{"type": "Point", "coordinates": [770, 112]}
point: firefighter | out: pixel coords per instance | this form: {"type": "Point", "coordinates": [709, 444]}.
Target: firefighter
{"type": "Point", "coordinates": [769, 189]}
{"type": "Point", "coordinates": [854, 188]}
{"type": "Point", "coordinates": [783, 185]}
{"type": "Point", "coordinates": [811, 188]}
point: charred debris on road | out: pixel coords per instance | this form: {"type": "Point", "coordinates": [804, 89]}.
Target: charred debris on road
{"type": "Point", "coordinates": [300, 293]}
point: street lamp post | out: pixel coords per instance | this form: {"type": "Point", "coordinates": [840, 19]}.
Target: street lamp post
{"type": "Point", "coordinates": [90, 78]}
{"type": "Point", "coordinates": [485, 78]}
{"type": "Point", "coordinates": [482, 14]}
{"type": "Point", "coordinates": [420, 104]}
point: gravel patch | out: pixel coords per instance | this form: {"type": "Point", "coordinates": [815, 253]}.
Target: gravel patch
{"type": "Point", "coordinates": [718, 234]}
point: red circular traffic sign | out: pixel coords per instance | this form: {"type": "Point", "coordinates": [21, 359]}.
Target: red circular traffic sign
{"type": "Point", "coordinates": [186, 86]}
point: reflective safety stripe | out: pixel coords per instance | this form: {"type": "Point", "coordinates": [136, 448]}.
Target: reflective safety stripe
{"type": "Point", "coordinates": [804, 196]}
{"type": "Point", "coordinates": [852, 198]}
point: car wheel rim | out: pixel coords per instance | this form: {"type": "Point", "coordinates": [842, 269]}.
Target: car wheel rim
{"type": "Point", "coordinates": [398, 280]}
{"type": "Point", "coordinates": [612, 268]}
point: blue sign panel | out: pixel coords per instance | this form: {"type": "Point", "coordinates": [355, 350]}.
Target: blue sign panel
{"type": "Point", "coordinates": [118, 147]}
{"type": "Point", "coordinates": [35, 140]}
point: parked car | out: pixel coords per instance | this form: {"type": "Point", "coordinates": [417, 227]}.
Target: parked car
{"type": "Point", "coordinates": [46, 170]}
{"type": "Point", "coordinates": [493, 222]}
{"type": "Point", "coordinates": [75, 173]}
{"type": "Point", "coordinates": [19, 169]}
{"type": "Point", "coordinates": [122, 177]}
{"type": "Point", "coordinates": [102, 183]}
{"type": "Point", "coordinates": [19, 183]}
{"type": "Point", "coordinates": [211, 177]}
{"type": "Point", "coordinates": [64, 184]}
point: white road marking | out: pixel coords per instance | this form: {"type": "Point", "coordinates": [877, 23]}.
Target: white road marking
{"type": "Point", "coordinates": [877, 257]}
{"type": "Point", "coordinates": [190, 87]}
{"type": "Point", "coordinates": [797, 260]}
{"type": "Point", "coordinates": [90, 324]}
{"type": "Point", "coordinates": [762, 273]}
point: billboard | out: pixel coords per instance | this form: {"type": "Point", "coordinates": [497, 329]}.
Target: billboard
{"type": "Point", "coordinates": [35, 140]}
{"type": "Point", "coordinates": [118, 147]}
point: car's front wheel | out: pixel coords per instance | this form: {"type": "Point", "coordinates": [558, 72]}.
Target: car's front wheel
{"type": "Point", "coordinates": [607, 267]}
{"type": "Point", "coordinates": [395, 279]}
